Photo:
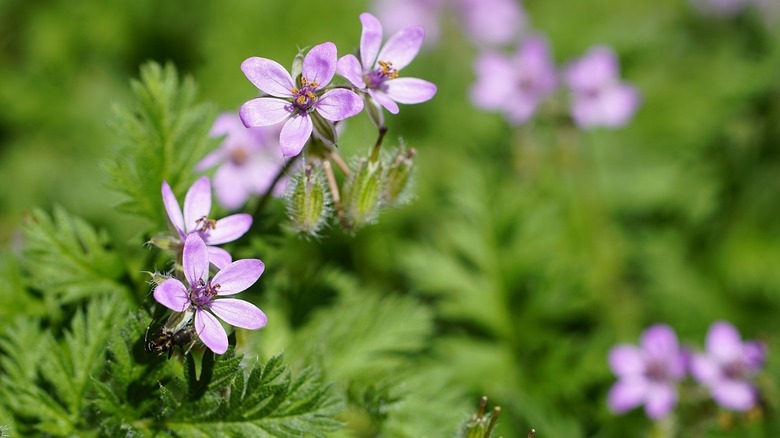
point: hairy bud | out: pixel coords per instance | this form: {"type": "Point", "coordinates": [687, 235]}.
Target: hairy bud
{"type": "Point", "coordinates": [398, 177]}
{"type": "Point", "coordinates": [363, 193]}
{"type": "Point", "coordinates": [308, 202]}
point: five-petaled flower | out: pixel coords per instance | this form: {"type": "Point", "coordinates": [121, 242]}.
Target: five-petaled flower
{"type": "Point", "coordinates": [206, 294]}
{"type": "Point", "coordinates": [647, 374]}
{"type": "Point", "coordinates": [195, 220]}
{"type": "Point", "coordinates": [599, 97]}
{"type": "Point", "coordinates": [297, 103]}
{"type": "Point", "coordinates": [377, 72]}
{"type": "Point", "coordinates": [515, 85]}
{"type": "Point", "coordinates": [728, 366]}
{"type": "Point", "coordinates": [248, 158]}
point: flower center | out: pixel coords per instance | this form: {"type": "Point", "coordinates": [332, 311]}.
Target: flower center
{"type": "Point", "coordinates": [734, 370]}
{"type": "Point", "coordinates": [656, 371]}
{"type": "Point", "coordinates": [202, 294]}
{"type": "Point", "coordinates": [304, 97]}
{"type": "Point", "coordinates": [375, 78]}
{"type": "Point", "coordinates": [204, 225]}
{"type": "Point", "coordinates": [239, 156]}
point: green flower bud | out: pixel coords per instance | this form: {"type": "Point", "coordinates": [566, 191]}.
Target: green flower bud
{"type": "Point", "coordinates": [166, 242]}
{"type": "Point", "coordinates": [374, 110]}
{"type": "Point", "coordinates": [325, 129]}
{"type": "Point", "coordinates": [398, 177]}
{"type": "Point", "coordinates": [308, 202]}
{"type": "Point", "coordinates": [481, 425]}
{"type": "Point", "coordinates": [362, 193]}
{"type": "Point", "coordinates": [297, 68]}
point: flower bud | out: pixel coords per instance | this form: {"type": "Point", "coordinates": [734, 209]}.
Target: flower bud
{"type": "Point", "coordinates": [157, 278]}
{"type": "Point", "coordinates": [324, 129]}
{"type": "Point", "coordinates": [166, 242]}
{"type": "Point", "coordinates": [297, 68]}
{"type": "Point", "coordinates": [374, 110]}
{"type": "Point", "coordinates": [362, 194]}
{"type": "Point", "coordinates": [481, 425]}
{"type": "Point", "coordinates": [398, 175]}
{"type": "Point", "coordinates": [307, 202]}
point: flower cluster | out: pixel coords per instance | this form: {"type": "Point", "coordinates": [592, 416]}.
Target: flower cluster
{"type": "Point", "coordinates": [305, 107]}
{"type": "Point", "coordinates": [193, 240]}
{"type": "Point", "coordinates": [649, 374]}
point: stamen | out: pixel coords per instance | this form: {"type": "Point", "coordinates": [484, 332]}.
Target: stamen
{"type": "Point", "coordinates": [206, 224]}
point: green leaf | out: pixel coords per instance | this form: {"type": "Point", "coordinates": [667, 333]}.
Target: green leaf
{"type": "Point", "coordinates": [52, 379]}
{"type": "Point", "coordinates": [270, 402]}
{"type": "Point", "coordinates": [68, 258]}
{"type": "Point", "coordinates": [162, 135]}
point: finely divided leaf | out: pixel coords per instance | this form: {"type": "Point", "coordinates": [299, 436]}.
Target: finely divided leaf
{"type": "Point", "coordinates": [162, 136]}
{"type": "Point", "coordinates": [67, 258]}
{"type": "Point", "coordinates": [270, 402]}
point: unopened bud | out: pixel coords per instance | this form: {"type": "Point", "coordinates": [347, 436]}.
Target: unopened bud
{"type": "Point", "coordinates": [363, 193]}
{"type": "Point", "coordinates": [397, 180]}
{"type": "Point", "coordinates": [166, 242]}
{"type": "Point", "coordinates": [324, 129]}
{"type": "Point", "coordinates": [307, 202]}
{"type": "Point", "coordinates": [481, 425]}
{"type": "Point", "coordinates": [374, 111]}
{"type": "Point", "coordinates": [157, 278]}
{"type": "Point", "coordinates": [297, 68]}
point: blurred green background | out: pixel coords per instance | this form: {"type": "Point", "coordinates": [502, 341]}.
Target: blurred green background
{"type": "Point", "coordinates": [536, 248]}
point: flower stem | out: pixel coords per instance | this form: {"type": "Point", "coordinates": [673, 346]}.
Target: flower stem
{"type": "Point", "coordinates": [334, 192]}
{"type": "Point", "coordinates": [378, 144]}
{"type": "Point", "coordinates": [267, 195]}
{"type": "Point", "coordinates": [339, 162]}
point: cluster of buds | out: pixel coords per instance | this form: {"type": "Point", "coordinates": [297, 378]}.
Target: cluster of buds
{"type": "Point", "coordinates": [481, 425]}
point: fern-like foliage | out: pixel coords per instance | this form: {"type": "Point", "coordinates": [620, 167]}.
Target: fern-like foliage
{"type": "Point", "coordinates": [164, 134]}
{"type": "Point", "coordinates": [68, 259]}
{"type": "Point", "coordinates": [269, 402]}
{"type": "Point", "coordinates": [51, 379]}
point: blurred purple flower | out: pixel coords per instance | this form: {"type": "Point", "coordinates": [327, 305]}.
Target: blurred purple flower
{"type": "Point", "coordinates": [248, 160]}
{"type": "Point", "coordinates": [600, 98]}
{"type": "Point", "coordinates": [492, 22]}
{"type": "Point", "coordinates": [725, 8]}
{"type": "Point", "coordinates": [485, 22]}
{"type": "Point", "coordinates": [728, 365]}
{"type": "Point", "coordinates": [647, 375]}
{"type": "Point", "coordinates": [195, 220]}
{"type": "Point", "coordinates": [515, 85]}
{"type": "Point", "coordinates": [203, 292]}
{"type": "Point", "coordinates": [295, 104]}
{"type": "Point", "coordinates": [377, 71]}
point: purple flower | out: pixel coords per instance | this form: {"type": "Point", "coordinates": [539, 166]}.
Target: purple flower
{"type": "Point", "coordinates": [378, 69]}
{"type": "Point", "coordinates": [515, 85]}
{"type": "Point", "coordinates": [485, 22]}
{"type": "Point", "coordinates": [248, 159]}
{"type": "Point", "coordinates": [295, 104]}
{"type": "Point", "coordinates": [205, 294]}
{"type": "Point", "coordinates": [492, 22]}
{"type": "Point", "coordinates": [728, 365]}
{"type": "Point", "coordinates": [195, 220]}
{"type": "Point", "coordinates": [600, 98]}
{"type": "Point", "coordinates": [647, 375]}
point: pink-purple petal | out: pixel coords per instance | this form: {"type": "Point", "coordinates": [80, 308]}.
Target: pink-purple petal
{"type": "Point", "coordinates": [197, 203]}
{"type": "Point", "coordinates": [219, 257]}
{"type": "Point", "coordinates": [172, 294]}
{"type": "Point", "coordinates": [705, 369]}
{"type": "Point", "coordinates": [319, 65]}
{"type": "Point", "coordinates": [660, 399]}
{"type": "Point", "coordinates": [295, 133]}
{"type": "Point", "coordinates": [349, 67]}
{"type": "Point", "coordinates": [626, 395]}
{"type": "Point", "coordinates": [734, 394]}
{"type": "Point", "coordinates": [384, 100]}
{"type": "Point", "coordinates": [195, 259]}
{"type": "Point", "coordinates": [402, 47]}
{"type": "Point", "coordinates": [238, 276]}
{"type": "Point", "coordinates": [409, 90]}
{"type": "Point", "coordinates": [724, 342]}
{"type": "Point", "coordinates": [596, 69]}
{"type": "Point", "coordinates": [264, 111]}
{"type": "Point", "coordinates": [211, 160]}
{"type": "Point", "coordinates": [659, 342]}
{"type": "Point", "coordinates": [210, 331]}
{"type": "Point", "coordinates": [239, 313]}
{"type": "Point", "coordinates": [229, 229]}
{"type": "Point", "coordinates": [172, 208]}
{"type": "Point", "coordinates": [370, 39]}
{"type": "Point", "coordinates": [269, 76]}
{"type": "Point", "coordinates": [339, 104]}
{"type": "Point", "coordinates": [627, 361]}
